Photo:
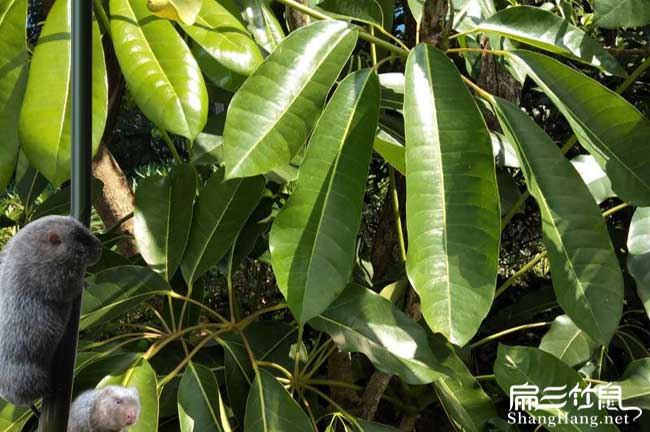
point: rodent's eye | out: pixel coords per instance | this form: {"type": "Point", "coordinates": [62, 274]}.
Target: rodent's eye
{"type": "Point", "coordinates": [118, 401]}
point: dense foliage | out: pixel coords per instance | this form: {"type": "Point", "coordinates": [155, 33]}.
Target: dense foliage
{"type": "Point", "coordinates": [352, 207]}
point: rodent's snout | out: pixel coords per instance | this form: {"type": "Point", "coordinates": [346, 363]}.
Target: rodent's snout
{"type": "Point", "coordinates": [94, 250]}
{"type": "Point", "coordinates": [131, 417]}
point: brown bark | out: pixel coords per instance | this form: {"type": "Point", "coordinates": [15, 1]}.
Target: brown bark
{"type": "Point", "coordinates": [339, 368]}
{"type": "Point", "coordinates": [116, 201]}
{"type": "Point", "coordinates": [373, 394]}
{"type": "Point", "coordinates": [433, 28]}
{"type": "Point", "coordinates": [297, 19]}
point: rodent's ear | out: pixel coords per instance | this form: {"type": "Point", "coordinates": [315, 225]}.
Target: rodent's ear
{"type": "Point", "coordinates": [54, 238]}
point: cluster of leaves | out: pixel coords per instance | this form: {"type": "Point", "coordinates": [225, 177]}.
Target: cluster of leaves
{"type": "Point", "coordinates": [282, 180]}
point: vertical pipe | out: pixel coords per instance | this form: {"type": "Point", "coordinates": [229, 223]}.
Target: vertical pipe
{"type": "Point", "coordinates": [54, 415]}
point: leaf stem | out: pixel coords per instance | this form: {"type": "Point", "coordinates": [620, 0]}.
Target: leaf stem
{"type": "Point", "coordinates": [507, 332]}
{"type": "Point", "coordinates": [172, 147]}
{"type": "Point", "coordinates": [296, 367]}
{"type": "Point", "coordinates": [185, 361]}
{"type": "Point", "coordinates": [397, 216]}
{"type": "Point", "coordinates": [530, 264]}
{"type": "Point", "coordinates": [362, 34]}
{"type": "Point", "coordinates": [102, 16]}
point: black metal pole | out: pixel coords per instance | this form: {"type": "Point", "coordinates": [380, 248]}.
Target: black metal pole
{"type": "Point", "coordinates": [54, 414]}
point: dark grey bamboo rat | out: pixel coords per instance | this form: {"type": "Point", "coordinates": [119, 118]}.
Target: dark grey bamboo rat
{"type": "Point", "coordinates": [110, 409]}
{"type": "Point", "coordinates": [42, 271]}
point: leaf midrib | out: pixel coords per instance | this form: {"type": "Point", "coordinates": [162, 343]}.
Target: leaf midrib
{"type": "Point", "coordinates": [299, 92]}
{"type": "Point", "coordinates": [345, 135]}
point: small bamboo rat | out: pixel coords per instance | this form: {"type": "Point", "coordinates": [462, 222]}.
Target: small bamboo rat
{"type": "Point", "coordinates": [110, 409]}
{"type": "Point", "coordinates": [42, 271]}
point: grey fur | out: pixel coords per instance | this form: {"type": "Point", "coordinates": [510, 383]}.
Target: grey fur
{"type": "Point", "coordinates": [42, 270]}
{"type": "Point", "coordinates": [110, 409]}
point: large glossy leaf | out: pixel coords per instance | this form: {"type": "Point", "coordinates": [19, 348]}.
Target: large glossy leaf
{"type": "Point", "coordinates": [13, 78]}
{"type": "Point", "coordinates": [391, 149]}
{"type": "Point", "coordinates": [635, 384]}
{"type": "Point", "coordinates": [594, 177]}
{"type": "Point", "coordinates": [621, 13]}
{"type": "Point", "coordinates": [163, 216]}
{"type": "Point", "coordinates": [516, 366]}
{"type": "Point", "coordinates": [314, 237]}
{"type": "Point", "coordinates": [262, 23]}
{"type": "Point", "coordinates": [225, 38]}
{"type": "Point", "coordinates": [13, 418]}
{"type": "Point", "coordinates": [112, 293]}
{"type": "Point", "coordinates": [370, 11]}
{"type": "Point", "coordinates": [271, 116]}
{"type": "Point", "coordinates": [215, 71]}
{"type": "Point", "coordinates": [585, 271]}
{"type": "Point", "coordinates": [183, 11]}
{"type": "Point", "coordinates": [163, 77]}
{"type": "Point", "coordinates": [638, 260]}
{"type": "Point", "coordinates": [271, 408]}
{"type": "Point", "coordinates": [611, 129]}
{"type": "Point", "coordinates": [45, 121]}
{"type": "Point", "coordinates": [543, 29]}
{"type": "Point", "coordinates": [142, 376]}
{"type": "Point", "coordinates": [220, 212]}
{"type": "Point", "coordinates": [200, 407]}
{"type": "Point", "coordinates": [452, 201]}
{"type": "Point", "coordinates": [464, 401]}
{"type": "Point", "coordinates": [567, 342]}
{"type": "Point", "coordinates": [363, 321]}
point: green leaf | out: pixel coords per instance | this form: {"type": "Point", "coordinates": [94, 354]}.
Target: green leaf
{"type": "Point", "coordinates": [215, 71]}
{"type": "Point", "coordinates": [220, 211]}
{"type": "Point", "coordinates": [183, 11]}
{"type": "Point", "coordinates": [13, 418]}
{"type": "Point", "coordinates": [542, 29]}
{"type": "Point", "coordinates": [504, 153]}
{"type": "Point", "coordinates": [314, 236]}
{"type": "Point", "coordinates": [162, 75]}
{"type": "Point", "coordinates": [369, 11]}
{"type": "Point", "coordinates": [363, 321]}
{"type": "Point", "coordinates": [45, 120]}
{"type": "Point", "coordinates": [114, 292]}
{"type": "Point", "coordinates": [13, 79]}
{"type": "Point", "coordinates": [200, 407]}
{"type": "Point", "coordinates": [452, 200]}
{"type": "Point", "coordinates": [225, 38]}
{"type": "Point", "coordinates": [567, 342]}
{"type": "Point", "coordinates": [272, 114]}
{"type": "Point", "coordinates": [594, 177]}
{"type": "Point", "coordinates": [463, 399]}
{"type": "Point", "coordinates": [270, 341]}
{"type": "Point", "coordinates": [612, 14]}
{"type": "Point", "coordinates": [638, 259]}
{"type": "Point", "coordinates": [417, 9]}
{"type": "Point", "coordinates": [585, 271]}
{"type": "Point", "coordinates": [635, 384]}
{"type": "Point", "coordinates": [141, 376]}
{"type": "Point", "coordinates": [262, 23]}
{"type": "Point", "coordinates": [271, 408]}
{"type": "Point", "coordinates": [509, 193]}
{"type": "Point", "coordinates": [29, 182]}
{"type": "Point", "coordinates": [59, 202]}
{"type": "Point", "coordinates": [392, 90]}
{"type": "Point", "coordinates": [611, 129]}
{"type": "Point", "coordinates": [163, 217]}
{"type": "Point", "coordinates": [517, 366]}
{"type": "Point", "coordinates": [391, 149]}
